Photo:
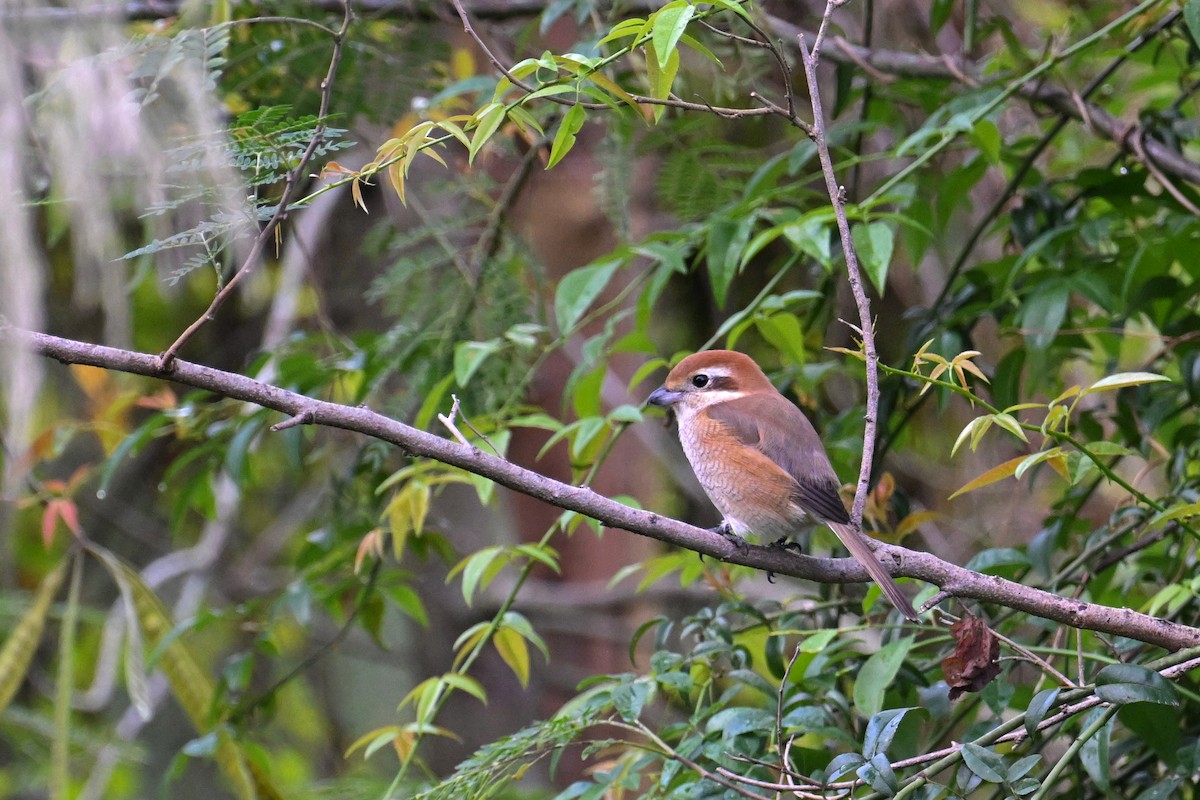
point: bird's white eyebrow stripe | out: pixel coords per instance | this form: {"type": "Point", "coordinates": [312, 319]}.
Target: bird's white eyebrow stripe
{"type": "Point", "coordinates": [708, 398]}
{"type": "Point", "coordinates": [714, 371]}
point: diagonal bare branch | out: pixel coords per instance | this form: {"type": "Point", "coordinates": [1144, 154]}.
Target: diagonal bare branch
{"type": "Point", "coordinates": [953, 580]}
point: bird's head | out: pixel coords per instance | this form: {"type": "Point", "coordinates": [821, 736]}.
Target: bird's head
{"type": "Point", "coordinates": [709, 377]}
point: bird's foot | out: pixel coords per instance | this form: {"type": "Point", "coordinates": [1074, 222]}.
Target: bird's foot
{"type": "Point", "coordinates": [740, 544]}
{"type": "Point", "coordinates": [783, 543]}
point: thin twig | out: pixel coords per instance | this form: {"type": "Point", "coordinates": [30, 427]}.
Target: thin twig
{"type": "Point", "coordinates": [853, 273]}
{"type": "Point", "coordinates": [448, 421]}
{"type": "Point", "coordinates": [364, 594]}
{"type": "Point", "coordinates": [1033, 657]}
{"type": "Point", "coordinates": [466, 421]}
{"type": "Point", "coordinates": [528, 88]}
{"type": "Point", "coordinates": [291, 190]}
{"type": "Point", "coordinates": [784, 768]}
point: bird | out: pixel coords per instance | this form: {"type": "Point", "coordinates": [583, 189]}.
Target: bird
{"type": "Point", "coordinates": [759, 459]}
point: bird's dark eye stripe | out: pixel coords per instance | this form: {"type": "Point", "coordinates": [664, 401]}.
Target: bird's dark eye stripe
{"type": "Point", "coordinates": [717, 382]}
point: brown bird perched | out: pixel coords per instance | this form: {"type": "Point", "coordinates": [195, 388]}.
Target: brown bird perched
{"type": "Point", "coordinates": [758, 458]}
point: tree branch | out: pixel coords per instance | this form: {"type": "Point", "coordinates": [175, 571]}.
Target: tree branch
{"type": "Point", "coordinates": [1057, 98]}
{"type": "Point", "coordinates": [954, 581]}
{"type": "Point", "coordinates": [883, 62]}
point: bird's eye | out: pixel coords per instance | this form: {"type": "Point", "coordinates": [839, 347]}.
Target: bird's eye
{"type": "Point", "coordinates": [699, 381]}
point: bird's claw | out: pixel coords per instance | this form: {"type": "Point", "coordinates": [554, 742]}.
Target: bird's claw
{"type": "Point", "coordinates": [740, 544]}
{"type": "Point", "coordinates": [784, 543]}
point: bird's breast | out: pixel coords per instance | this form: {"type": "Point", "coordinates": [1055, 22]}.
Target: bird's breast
{"type": "Point", "coordinates": [749, 489]}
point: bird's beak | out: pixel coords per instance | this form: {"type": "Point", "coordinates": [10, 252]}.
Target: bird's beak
{"type": "Point", "coordinates": [663, 397]}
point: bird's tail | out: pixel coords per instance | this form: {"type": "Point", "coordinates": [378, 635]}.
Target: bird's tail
{"type": "Point", "coordinates": [856, 543]}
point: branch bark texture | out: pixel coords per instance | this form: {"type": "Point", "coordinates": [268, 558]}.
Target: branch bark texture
{"type": "Point", "coordinates": [951, 579]}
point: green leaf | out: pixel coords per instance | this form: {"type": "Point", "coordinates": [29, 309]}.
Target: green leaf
{"type": "Point", "coordinates": [878, 773]}
{"type": "Point", "coordinates": [877, 675]}
{"type": "Point", "coordinates": [1038, 458]}
{"type": "Point", "coordinates": [564, 139]}
{"type": "Point", "coordinates": [881, 729]}
{"type": "Point", "coordinates": [1010, 424]}
{"type": "Point", "coordinates": [130, 445]}
{"type": "Point", "coordinates": [810, 235]}
{"type": "Point", "coordinates": [817, 640]}
{"type": "Point", "coordinates": [626, 28]}
{"type": "Point", "coordinates": [987, 137]}
{"type": "Point", "coordinates": [733, 722]}
{"type": "Point", "coordinates": [734, 6]}
{"type": "Point", "coordinates": [646, 626]}
{"type": "Point", "coordinates": [1191, 15]}
{"type": "Point", "coordinates": [661, 78]}
{"type": "Point", "coordinates": [579, 289]}
{"type": "Point", "coordinates": [488, 121]}
{"type": "Point", "coordinates": [137, 683]}
{"type": "Point", "coordinates": [409, 601]}
{"type": "Point", "coordinates": [984, 762]}
{"type": "Point", "coordinates": [630, 698]}
{"type": "Point", "coordinates": [1095, 751]}
{"type": "Point", "coordinates": [997, 557]}
{"type": "Point", "coordinates": [699, 47]}
{"type": "Point", "coordinates": [478, 568]}
{"type": "Point", "coordinates": [842, 765]}
{"type": "Point", "coordinates": [727, 238]}
{"type": "Point", "coordinates": [1163, 790]}
{"type": "Point", "coordinates": [1133, 683]}
{"type": "Point", "coordinates": [1041, 703]}
{"type": "Point", "coordinates": [1043, 313]}
{"type": "Point", "coordinates": [874, 243]}
{"type": "Point", "coordinates": [1022, 767]}
{"type": "Point", "coordinates": [669, 24]}
{"type": "Point", "coordinates": [469, 356]}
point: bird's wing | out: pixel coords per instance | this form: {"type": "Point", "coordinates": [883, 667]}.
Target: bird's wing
{"type": "Point", "coordinates": [780, 431]}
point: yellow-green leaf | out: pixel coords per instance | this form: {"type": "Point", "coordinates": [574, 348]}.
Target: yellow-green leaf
{"type": "Point", "coordinates": [515, 651]}
{"type": "Point", "coordinates": [670, 21]}
{"type": "Point", "coordinates": [1053, 454]}
{"type": "Point", "coordinates": [373, 740]}
{"type": "Point", "coordinates": [466, 684]}
{"type": "Point", "coordinates": [1173, 513]}
{"type": "Point", "coordinates": [406, 514]}
{"type": "Point", "coordinates": [564, 139]}
{"type": "Point", "coordinates": [609, 85]}
{"type": "Point", "coordinates": [660, 78]}
{"type": "Point", "coordinates": [22, 643]}
{"type": "Point", "coordinates": [996, 473]}
{"type": "Point", "coordinates": [1123, 379]}
{"type": "Point", "coordinates": [1010, 424]}
{"type": "Point", "coordinates": [973, 430]}
{"type": "Point", "coordinates": [190, 684]}
{"type": "Point", "coordinates": [488, 118]}
{"type": "Point", "coordinates": [630, 27]}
